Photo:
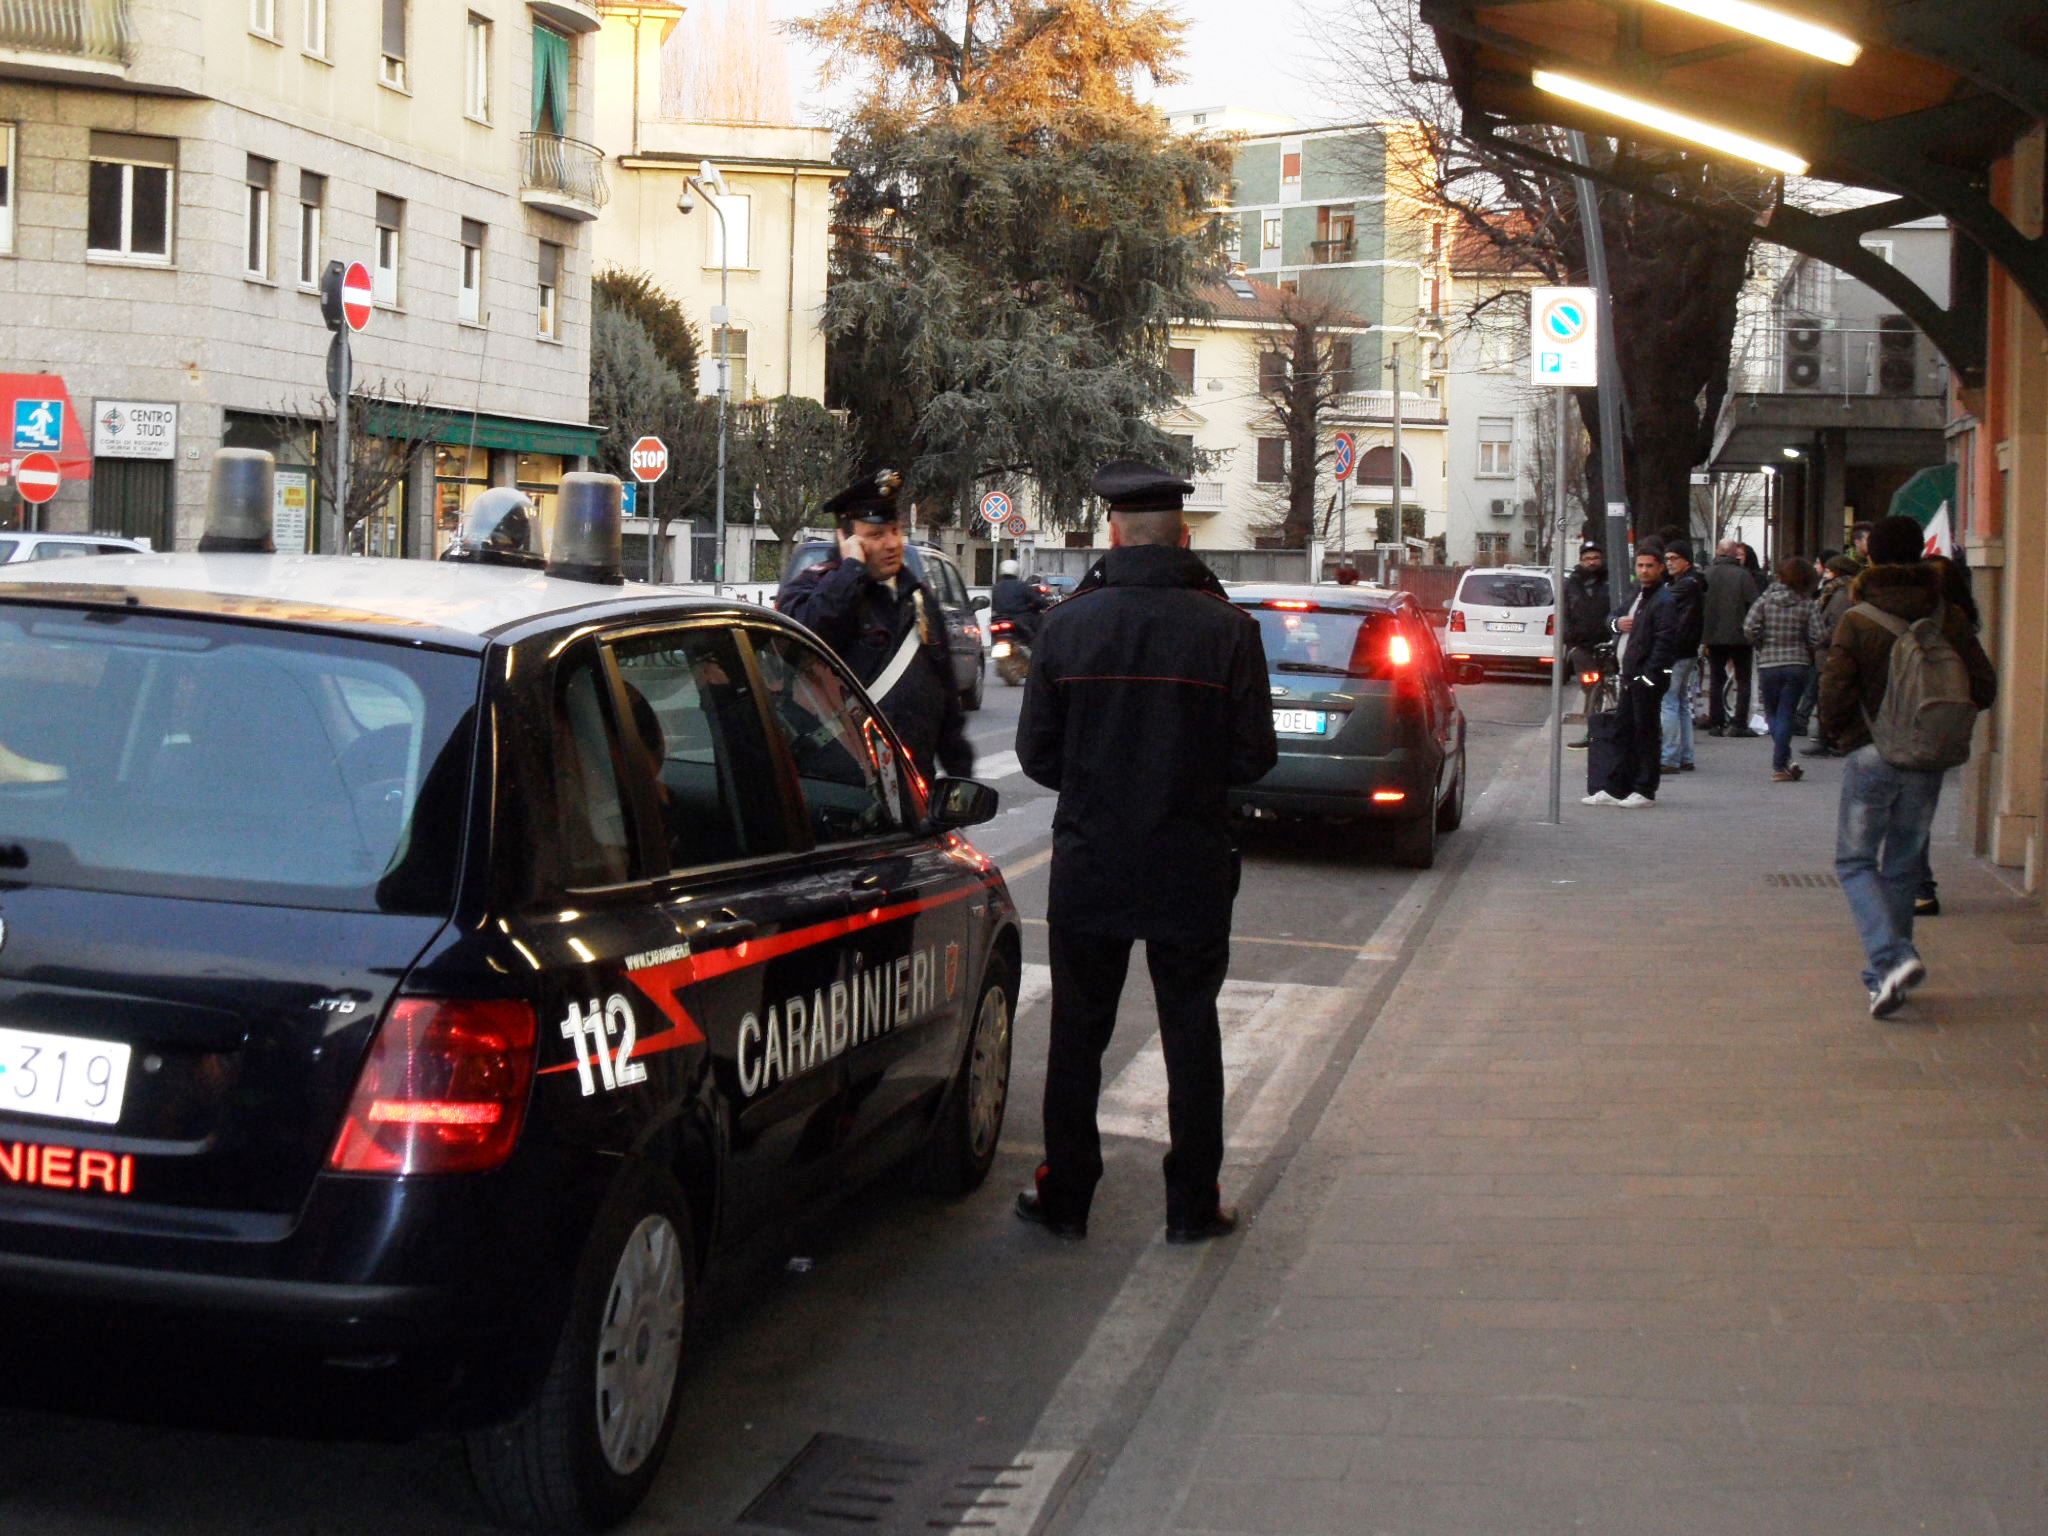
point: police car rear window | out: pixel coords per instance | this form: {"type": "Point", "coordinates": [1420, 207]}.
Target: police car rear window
{"type": "Point", "coordinates": [170, 757]}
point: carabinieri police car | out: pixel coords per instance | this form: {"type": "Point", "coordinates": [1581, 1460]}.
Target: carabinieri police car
{"type": "Point", "coordinates": [440, 965]}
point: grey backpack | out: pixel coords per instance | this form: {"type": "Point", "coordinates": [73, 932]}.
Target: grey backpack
{"type": "Point", "coordinates": [1926, 719]}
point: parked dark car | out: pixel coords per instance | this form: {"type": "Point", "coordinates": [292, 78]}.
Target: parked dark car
{"type": "Point", "coordinates": [437, 971]}
{"type": "Point", "coordinates": [1363, 706]}
{"type": "Point", "coordinates": [941, 573]}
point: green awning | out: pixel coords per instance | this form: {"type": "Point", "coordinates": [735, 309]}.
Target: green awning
{"type": "Point", "coordinates": [458, 429]}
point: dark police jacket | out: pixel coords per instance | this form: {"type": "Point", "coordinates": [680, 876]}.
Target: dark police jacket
{"type": "Point", "coordinates": [1689, 599]}
{"type": "Point", "coordinates": [1148, 699]}
{"type": "Point", "coordinates": [865, 623]}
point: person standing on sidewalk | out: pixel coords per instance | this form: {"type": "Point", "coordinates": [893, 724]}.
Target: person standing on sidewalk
{"type": "Point", "coordinates": [1731, 592]}
{"type": "Point", "coordinates": [1891, 783]}
{"type": "Point", "coordinates": [1955, 591]}
{"type": "Point", "coordinates": [1688, 591]}
{"type": "Point", "coordinates": [1782, 625]}
{"type": "Point", "coordinates": [1649, 643]}
{"type": "Point", "coordinates": [1587, 620]}
{"type": "Point", "coordinates": [1830, 603]}
{"type": "Point", "coordinates": [1148, 699]}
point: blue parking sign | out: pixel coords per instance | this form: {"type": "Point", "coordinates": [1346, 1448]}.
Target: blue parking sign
{"type": "Point", "coordinates": [38, 424]}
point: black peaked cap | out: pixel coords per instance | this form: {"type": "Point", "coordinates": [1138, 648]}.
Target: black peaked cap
{"type": "Point", "coordinates": [1131, 485]}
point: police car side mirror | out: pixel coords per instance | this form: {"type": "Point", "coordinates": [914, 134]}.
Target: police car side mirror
{"type": "Point", "coordinates": [962, 803]}
{"type": "Point", "coordinates": [982, 602]}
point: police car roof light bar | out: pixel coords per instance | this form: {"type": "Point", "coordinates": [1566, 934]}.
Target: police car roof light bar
{"type": "Point", "coordinates": [589, 530]}
{"type": "Point", "coordinates": [238, 503]}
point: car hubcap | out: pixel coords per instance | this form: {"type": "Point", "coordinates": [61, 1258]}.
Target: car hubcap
{"type": "Point", "coordinates": [640, 1345]}
{"type": "Point", "coordinates": [988, 1073]}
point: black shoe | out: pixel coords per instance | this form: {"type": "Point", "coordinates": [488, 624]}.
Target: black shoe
{"type": "Point", "coordinates": [1578, 746]}
{"type": "Point", "coordinates": [1688, 767]}
{"type": "Point", "coordinates": [1927, 906]}
{"type": "Point", "coordinates": [1221, 1224]}
{"type": "Point", "coordinates": [1716, 730]}
{"type": "Point", "coordinates": [1030, 1209]}
{"type": "Point", "coordinates": [1818, 749]}
{"type": "Point", "coordinates": [1743, 731]}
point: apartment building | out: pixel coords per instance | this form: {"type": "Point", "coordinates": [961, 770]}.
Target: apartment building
{"type": "Point", "coordinates": [1502, 427]}
{"type": "Point", "coordinates": [175, 175]}
{"type": "Point", "coordinates": [771, 250]}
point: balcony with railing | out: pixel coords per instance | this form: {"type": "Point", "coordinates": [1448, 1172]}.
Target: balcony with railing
{"type": "Point", "coordinates": [571, 15]}
{"type": "Point", "coordinates": [1207, 497]}
{"type": "Point", "coordinates": [1325, 252]}
{"type": "Point", "coordinates": [562, 175]}
{"type": "Point", "coordinates": [66, 39]}
{"type": "Point", "coordinates": [1378, 405]}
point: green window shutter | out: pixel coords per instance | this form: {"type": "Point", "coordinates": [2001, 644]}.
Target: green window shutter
{"type": "Point", "coordinates": [550, 80]}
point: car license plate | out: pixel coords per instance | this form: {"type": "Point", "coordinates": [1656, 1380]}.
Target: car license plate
{"type": "Point", "coordinates": [62, 1076]}
{"type": "Point", "coordinates": [1503, 629]}
{"type": "Point", "coordinates": [1301, 722]}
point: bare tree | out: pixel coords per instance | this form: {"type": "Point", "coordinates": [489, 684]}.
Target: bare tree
{"type": "Point", "coordinates": [391, 429]}
{"type": "Point", "coordinates": [1675, 278]}
{"type": "Point", "coordinates": [1305, 368]}
{"type": "Point", "coordinates": [791, 454]}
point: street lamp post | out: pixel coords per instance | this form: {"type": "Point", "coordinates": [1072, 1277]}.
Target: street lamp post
{"type": "Point", "coordinates": [711, 182]}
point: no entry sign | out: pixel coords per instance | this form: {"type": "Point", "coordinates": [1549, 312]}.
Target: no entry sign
{"type": "Point", "coordinates": [37, 477]}
{"type": "Point", "coordinates": [649, 459]}
{"type": "Point", "coordinates": [356, 296]}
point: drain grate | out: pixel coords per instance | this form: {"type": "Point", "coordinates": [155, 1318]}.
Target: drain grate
{"type": "Point", "coordinates": [1802, 882]}
{"type": "Point", "coordinates": [838, 1484]}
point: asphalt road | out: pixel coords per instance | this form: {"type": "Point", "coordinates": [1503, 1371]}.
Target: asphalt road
{"type": "Point", "coordinates": [948, 1329]}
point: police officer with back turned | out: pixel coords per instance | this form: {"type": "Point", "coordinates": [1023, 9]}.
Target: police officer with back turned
{"type": "Point", "coordinates": [1148, 700]}
{"type": "Point", "coordinates": [869, 606]}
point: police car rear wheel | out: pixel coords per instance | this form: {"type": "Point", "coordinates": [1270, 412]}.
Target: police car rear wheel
{"type": "Point", "coordinates": [963, 1144]}
{"type": "Point", "coordinates": [1451, 814]}
{"type": "Point", "coordinates": [1415, 841]}
{"type": "Point", "coordinates": [587, 1449]}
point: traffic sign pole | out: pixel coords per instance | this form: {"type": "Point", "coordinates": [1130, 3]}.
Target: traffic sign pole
{"type": "Point", "coordinates": [346, 299]}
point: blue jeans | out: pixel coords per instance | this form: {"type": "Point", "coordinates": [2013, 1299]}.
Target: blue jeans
{"type": "Point", "coordinates": [1678, 712]}
{"type": "Point", "coordinates": [1784, 687]}
{"type": "Point", "coordinates": [1881, 853]}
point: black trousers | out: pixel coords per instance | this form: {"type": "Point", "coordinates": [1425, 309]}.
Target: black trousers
{"type": "Point", "coordinates": [1638, 742]}
{"type": "Point", "coordinates": [1719, 659]}
{"type": "Point", "coordinates": [1088, 971]}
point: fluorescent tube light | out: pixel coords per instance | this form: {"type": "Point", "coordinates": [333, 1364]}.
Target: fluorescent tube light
{"type": "Point", "coordinates": [1773, 27]}
{"type": "Point", "coordinates": [1666, 121]}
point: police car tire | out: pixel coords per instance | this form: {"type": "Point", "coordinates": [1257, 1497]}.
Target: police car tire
{"type": "Point", "coordinates": [971, 699]}
{"type": "Point", "coordinates": [1415, 841]}
{"type": "Point", "coordinates": [546, 1470]}
{"type": "Point", "coordinates": [950, 1165]}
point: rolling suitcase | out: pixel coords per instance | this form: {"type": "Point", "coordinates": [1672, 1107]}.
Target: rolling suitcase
{"type": "Point", "coordinates": [1600, 756]}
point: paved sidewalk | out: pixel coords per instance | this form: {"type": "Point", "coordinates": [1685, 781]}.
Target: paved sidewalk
{"type": "Point", "coordinates": [1628, 1219]}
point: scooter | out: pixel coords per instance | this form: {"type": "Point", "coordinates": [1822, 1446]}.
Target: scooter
{"type": "Point", "coordinates": [1012, 652]}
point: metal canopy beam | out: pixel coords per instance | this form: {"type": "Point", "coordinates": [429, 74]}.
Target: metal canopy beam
{"type": "Point", "coordinates": [1969, 39]}
{"type": "Point", "coordinates": [1833, 238]}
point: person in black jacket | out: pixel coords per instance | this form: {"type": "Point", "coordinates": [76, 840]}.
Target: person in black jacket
{"type": "Point", "coordinates": [1649, 644]}
{"type": "Point", "coordinates": [1688, 591]}
{"type": "Point", "coordinates": [885, 624]}
{"type": "Point", "coordinates": [1018, 601]}
{"type": "Point", "coordinates": [1586, 619]}
{"type": "Point", "coordinates": [1148, 699]}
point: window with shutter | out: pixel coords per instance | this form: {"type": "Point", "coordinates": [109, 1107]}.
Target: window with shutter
{"type": "Point", "coordinates": [1180, 362]}
{"type": "Point", "coordinates": [393, 67]}
{"type": "Point", "coordinates": [1272, 460]}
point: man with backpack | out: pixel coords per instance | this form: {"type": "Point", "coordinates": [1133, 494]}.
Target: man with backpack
{"type": "Point", "coordinates": [1900, 691]}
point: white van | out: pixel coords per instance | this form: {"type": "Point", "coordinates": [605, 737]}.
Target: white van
{"type": "Point", "coordinates": [1504, 618]}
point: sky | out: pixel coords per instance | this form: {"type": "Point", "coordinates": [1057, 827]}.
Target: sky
{"type": "Point", "coordinates": [1239, 53]}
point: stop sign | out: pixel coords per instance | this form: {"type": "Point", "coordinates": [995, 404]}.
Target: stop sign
{"type": "Point", "coordinates": [356, 296]}
{"type": "Point", "coordinates": [37, 477]}
{"type": "Point", "coordinates": [649, 459]}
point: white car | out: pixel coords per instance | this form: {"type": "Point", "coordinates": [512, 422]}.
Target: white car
{"type": "Point", "coordinates": [64, 546]}
{"type": "Point", "coordinates": [1504, 618]}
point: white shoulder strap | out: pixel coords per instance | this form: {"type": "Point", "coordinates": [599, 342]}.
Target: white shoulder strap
{"type": "Point", "coordinates": [899, 664]}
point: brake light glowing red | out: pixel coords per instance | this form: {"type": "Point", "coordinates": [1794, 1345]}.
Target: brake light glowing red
{"type": "Point", "coordinates": [1291, 604]}
{"type": "Point", "coordinates": [1389, 796]}
{"type": "Point", "coordinates": [443, 1090]}
{"type": "Point", "coordinates": [1588, 679]}
{"type": "Point", "coordinates": [1400, 652]}
{"type": "Point", "coordinates": [1457, 624]}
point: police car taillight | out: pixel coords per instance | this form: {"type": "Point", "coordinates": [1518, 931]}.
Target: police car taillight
{"type": "Point", "coordinates": [443, 1091]}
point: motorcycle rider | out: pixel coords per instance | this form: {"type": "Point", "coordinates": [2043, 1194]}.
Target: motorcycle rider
{"type": "Point", "coordinates": [1015, 599]}
{"type": "Point", "coordinates": [1585, 623]}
